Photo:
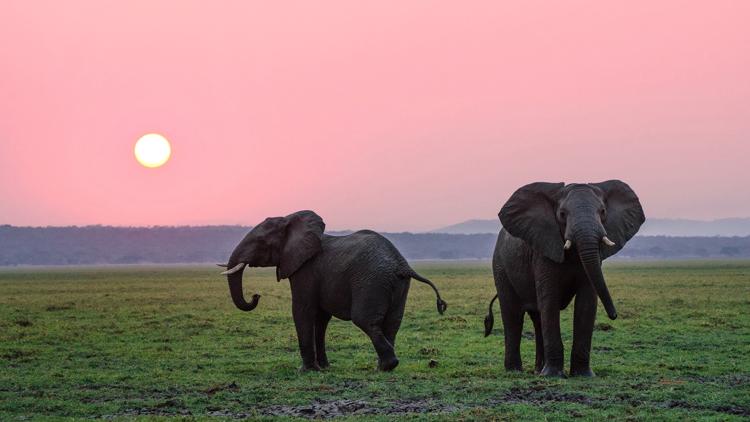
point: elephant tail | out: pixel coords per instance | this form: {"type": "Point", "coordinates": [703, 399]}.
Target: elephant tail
{"type": "Point", "coordinates": [489, 320]}
{"type": "Point", "coordinates": [441, 305]}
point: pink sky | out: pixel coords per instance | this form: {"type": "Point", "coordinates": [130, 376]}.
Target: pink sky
{"type": "Point", "coordinates": [387, 115]}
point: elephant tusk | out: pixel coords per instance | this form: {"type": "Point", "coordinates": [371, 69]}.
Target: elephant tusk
{"type": "Point", "coordinates": [234, 269]}
{"type": "Point", "coordinates": [607, 242]}
{"type": "Point", "coordinates": [222, 265]}
{"type": "Point", "coordinates": [568, 244]}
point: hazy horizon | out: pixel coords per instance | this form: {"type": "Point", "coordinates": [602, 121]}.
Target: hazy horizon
{"type": "Point", "coordinates": [386, 115]}
{"type": "Point", "coordinates": [648, 229]}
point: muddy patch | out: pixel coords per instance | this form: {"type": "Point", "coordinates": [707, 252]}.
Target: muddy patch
{"type": "Point", "coordinates": [603, 326]}
{"type": "Point", "coordinates": [323, 409]}
{"type": "Point", "coordinates": [23, 322]}
{"type": "Point", "coordinates": [729, 409]}
{"type": "Point", "coordinates": [18, 355]}
{"type": "Point", "coordinates": [538, 396]}
{"type": "Point", "coordinates": [317, 409]}
{"type": "Point", "coordinates": [159, 410]}
{"type": "Point", "coordinates": [60, 307]}
{"type": "Point", "coordinates": [429, 351]}
{"type": "Point", "coordinates": [232, 386]}
{"type": "Point", "coordinates": [731, 380]}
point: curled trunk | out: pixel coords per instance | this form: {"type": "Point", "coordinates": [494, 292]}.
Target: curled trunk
{"type": "Point", "coordinates": [588, 251]}
{"type": "Point", "coordinates": [235, 288]}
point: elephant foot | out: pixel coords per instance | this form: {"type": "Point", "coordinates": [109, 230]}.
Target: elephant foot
{"type": "Point", "coordinates": [513, 363]}
{"type": "Point", "coordinates": [552, 372]}
{"type": "Point", "coordinates": [582, 372]}
{"type": "Point", "coordinates": [307, 367]}
{"type": "Point", "coordinates": [323, 364]}
{"type": "Point", "coordinates": [387, 364]}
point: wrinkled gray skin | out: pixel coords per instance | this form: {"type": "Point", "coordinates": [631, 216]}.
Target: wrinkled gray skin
{"type": "Point", "coordinates": [535, 274]}
{"type": "Point", "coordinates": [360, 277]}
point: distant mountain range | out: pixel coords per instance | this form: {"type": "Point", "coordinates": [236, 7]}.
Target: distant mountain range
{"type": "Point", "coordinates": [652, 227]}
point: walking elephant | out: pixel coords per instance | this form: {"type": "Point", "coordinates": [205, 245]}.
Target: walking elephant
{"type": "Point", "coordinates": [550, 249]}
{"type": "Point", "coordinates": [359, 277]}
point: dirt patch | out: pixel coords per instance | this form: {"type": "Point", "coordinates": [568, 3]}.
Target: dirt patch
{"type": "Point", "coordinates": [731, 380]}
{"type": "Point", "coordinates": [603, 326]}
{"type": "Point", "coordinates": [151, 411]}
{"type": "Point", "coordinates": [62, 307]}
{"type": "Point", "coordinates": [729, 409]}
{"type": "Point", "coordinates": [19, 355]}
{"type": "Point", "coordinates": [536, 395]}
{"type": "Point", "coordinates": [323, 409]}
{"type": "Point", "coordinates": [429, 351]}
{"type": "Point", "coordinates": [171, 403]}
{"type": "Point", "coordinates": [736, 380]}
{"type": "Point", "coordinates": [23, 322]}
{"type": "Point", "coordinates": [320, 409]}
{"type": "Point", "coordinates": [456, 318]}
{"type": "Point", "coordinates": [232, 386]}
{"type": "Point", "coordinates": [317, 409]}
{"type": "Point", "coordinates": [667, 381]}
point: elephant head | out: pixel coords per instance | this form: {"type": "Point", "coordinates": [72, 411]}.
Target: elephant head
{"type": "Point", "coordinates": [594, 220]}
{"type": "Point", "coordinates": [282, 242]}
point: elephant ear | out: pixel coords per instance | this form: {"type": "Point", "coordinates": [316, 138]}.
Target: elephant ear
{"type": "Point", "coordinates": [624, 214]}
{"type": "Point", "coordinates": [529, 215]}
{"type": "Point", "coordinates": [304, 233]}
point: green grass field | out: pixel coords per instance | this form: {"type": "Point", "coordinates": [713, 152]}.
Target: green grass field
{"type": "Point", "coordinates": [154, 342]}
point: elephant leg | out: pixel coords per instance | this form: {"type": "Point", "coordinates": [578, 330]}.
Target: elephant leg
{"type": "Point", "coordinates": [513, 327]}
{"type": "Point", "coordinates": [539, 340]}
{"type": "Point", "coordinates": [548, 302]}
{"type": "Point", "coordinates": [512, 315]}
{"type": "Point", "coordinates": [320, 338]}
{"type": "Point", "coordinates": [395, 314]}
{"type": "Point", "coordinates": [304, 321]}
{"type": "Point", "coordinates": [369, 309]}
{"type": "Point", "coordinates": [390, 329]}
{"type": "Point", "coordinates": [386, 354]}
{"type": "Point", "coordinates": [584, 316]}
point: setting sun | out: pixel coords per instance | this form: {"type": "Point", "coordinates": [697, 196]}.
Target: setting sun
{"type": "Point", "coordinates": [152, 150]}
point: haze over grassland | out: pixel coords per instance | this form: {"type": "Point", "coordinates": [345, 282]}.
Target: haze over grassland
{"type": "Point", "coordinates": [475, 239]}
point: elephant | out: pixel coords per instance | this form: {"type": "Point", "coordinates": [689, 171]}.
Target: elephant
{"type": "Point", "coordinates": [360, 277]}
{"type": "Point", "coordinates": [550, 249]}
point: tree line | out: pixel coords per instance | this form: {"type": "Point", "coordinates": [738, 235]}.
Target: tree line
{"type": "Point", "coordinates": [91, 245]}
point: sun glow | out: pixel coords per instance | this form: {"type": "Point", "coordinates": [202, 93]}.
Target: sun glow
{"type": "Point", "coordinates": [152, 150]}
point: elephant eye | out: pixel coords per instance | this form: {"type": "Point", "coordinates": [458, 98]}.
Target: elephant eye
{"type": "Point", "coordinates": [562, 214]}
{"type": "Point", "coordinates": [603, 213]}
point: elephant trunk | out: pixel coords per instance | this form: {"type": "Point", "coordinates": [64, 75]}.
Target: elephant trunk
{"type": "Point", "coordinates": [588, 252]}
{"type": "Point", "coordinates": [235, 288]}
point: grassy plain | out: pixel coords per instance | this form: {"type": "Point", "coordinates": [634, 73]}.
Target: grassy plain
{"type": "Point", "coordinates": [156, 342]}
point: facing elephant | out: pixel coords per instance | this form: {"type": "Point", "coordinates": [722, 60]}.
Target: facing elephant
{"type": "Point", "coordinates": [281, 242]}
{"type": "Point", "coordinates": [550, 250]}
{"type": "Point", "coordinates": [359, 277]}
